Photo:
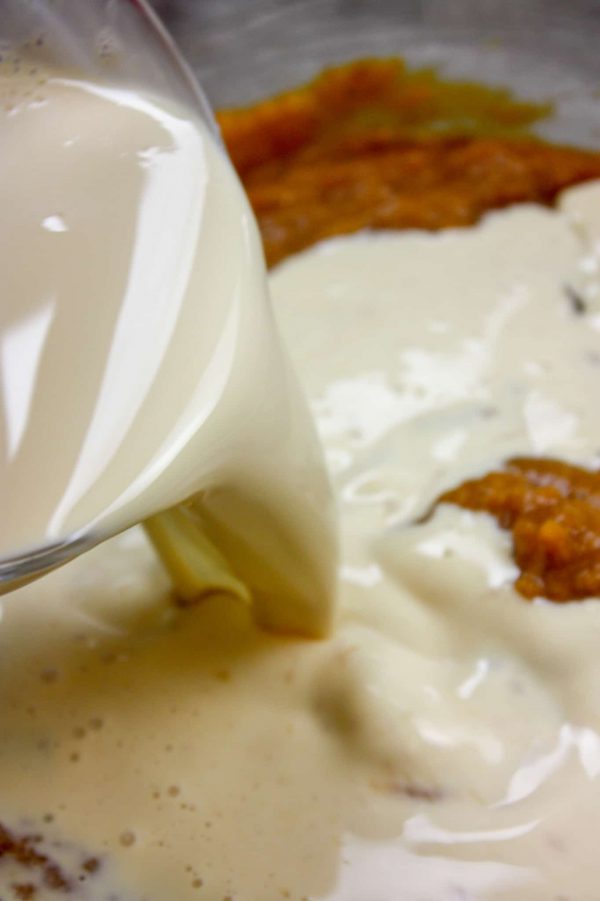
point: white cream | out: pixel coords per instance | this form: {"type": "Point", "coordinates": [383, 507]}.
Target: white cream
{"type": "Point", "coordinates": [139, 363]}
{"type": "Point", "coordinates": [444, 743]}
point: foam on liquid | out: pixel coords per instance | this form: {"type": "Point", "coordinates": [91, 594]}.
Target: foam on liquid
{"type": "Point", "coordinates": [140, 365]}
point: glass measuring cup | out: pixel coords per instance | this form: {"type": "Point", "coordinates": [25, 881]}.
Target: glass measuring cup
{"type": "Point", "coordinates": [123, 43]}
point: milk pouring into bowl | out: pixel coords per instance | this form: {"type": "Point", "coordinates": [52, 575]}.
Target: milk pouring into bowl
{"type": "Point", "coordinates": [141, 367]}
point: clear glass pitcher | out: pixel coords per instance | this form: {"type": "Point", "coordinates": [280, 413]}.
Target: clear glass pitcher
{"type": "Point", "coordinates": [123, 43]}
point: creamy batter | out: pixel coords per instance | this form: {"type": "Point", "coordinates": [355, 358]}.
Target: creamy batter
{"type": "Point", "coordinates": [139, 362]}
{"type": "Point", "coordinates": [444, 744]}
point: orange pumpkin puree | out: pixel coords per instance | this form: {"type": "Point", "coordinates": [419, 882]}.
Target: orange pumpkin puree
{"type": "Point", "coordinates": [372, 145]}
{"type": "Point", "coordinates": [553, 512]}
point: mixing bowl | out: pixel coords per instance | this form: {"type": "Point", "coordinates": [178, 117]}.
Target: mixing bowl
{"type": "Point", "coordinates": [543, 49]}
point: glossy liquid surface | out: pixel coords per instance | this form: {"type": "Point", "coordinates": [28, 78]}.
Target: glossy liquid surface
{"type": "Point", "coordinates": [140, 365]}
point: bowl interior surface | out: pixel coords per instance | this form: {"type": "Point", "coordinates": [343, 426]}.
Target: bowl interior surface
{"type": "Point", "coordinates": [543, 49]}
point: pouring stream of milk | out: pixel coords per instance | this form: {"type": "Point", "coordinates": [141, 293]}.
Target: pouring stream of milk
{"type": "Point", "coordinates": [140, 364]}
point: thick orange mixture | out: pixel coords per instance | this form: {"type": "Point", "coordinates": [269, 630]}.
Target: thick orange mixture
{"type": "Point", "coordinates": [370, 145]}
{"type": "Point", "coordinates": [553, 512]}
